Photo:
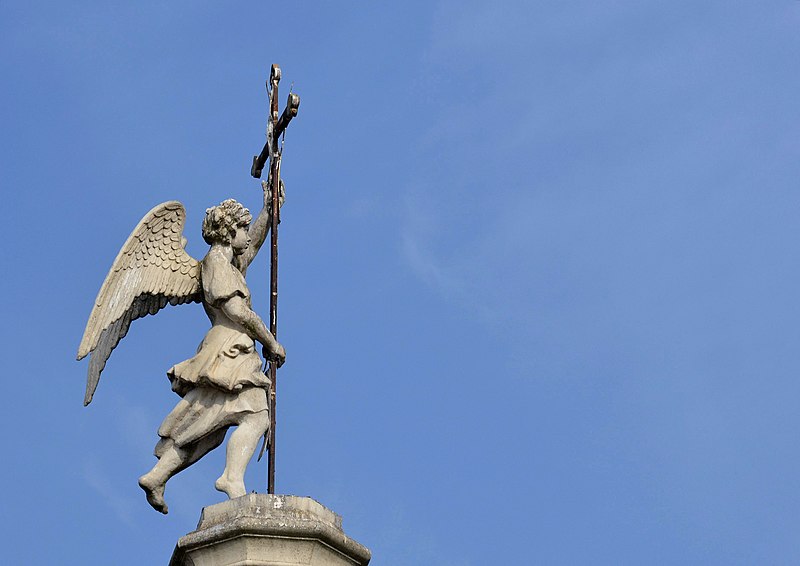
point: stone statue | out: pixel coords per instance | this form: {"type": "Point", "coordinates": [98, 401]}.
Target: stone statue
{"type": "Point", "coordinates": [223, 384]}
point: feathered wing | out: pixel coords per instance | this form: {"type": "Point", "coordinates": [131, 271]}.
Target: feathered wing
{"type": "Point", "coordinates": [151, 270]}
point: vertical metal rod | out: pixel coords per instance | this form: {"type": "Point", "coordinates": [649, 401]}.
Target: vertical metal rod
{"type": "Point", "coordinates": [274, 178]}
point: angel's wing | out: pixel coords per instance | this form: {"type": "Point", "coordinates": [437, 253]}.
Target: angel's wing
{"type": "Point", "coordinates": [151, 270]}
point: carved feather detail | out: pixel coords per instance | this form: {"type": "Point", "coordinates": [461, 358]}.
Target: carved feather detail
{"type": "Point", "coordinates": [151, 271]}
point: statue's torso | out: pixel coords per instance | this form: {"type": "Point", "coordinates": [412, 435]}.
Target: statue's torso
{"type": "Point", "coordinates": [226, 358]}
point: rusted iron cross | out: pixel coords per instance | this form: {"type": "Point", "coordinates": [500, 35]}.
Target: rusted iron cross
{"type": "Point", "coordinates": [276, 125]}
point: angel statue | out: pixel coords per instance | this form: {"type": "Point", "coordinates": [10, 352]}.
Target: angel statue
{"type": "Point", "coordinates": [222, 385]}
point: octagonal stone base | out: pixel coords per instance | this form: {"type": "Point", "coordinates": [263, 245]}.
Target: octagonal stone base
{"type": "Point", "coordinates": [269, 530]}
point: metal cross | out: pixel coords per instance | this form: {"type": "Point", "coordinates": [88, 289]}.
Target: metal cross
{"type": "Point", "coordinates": [276, 125]}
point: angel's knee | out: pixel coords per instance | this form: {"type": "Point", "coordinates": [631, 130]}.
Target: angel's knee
{"type": "Point", "coordinates": [256, 421]}
{"type": "Point", "coordinates": [162, 446]}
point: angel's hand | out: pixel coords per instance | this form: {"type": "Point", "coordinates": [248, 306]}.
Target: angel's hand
{"type": "Point", "coordinates": [275, 355]}
{"type": "Point", "coordinates": [268, 194]}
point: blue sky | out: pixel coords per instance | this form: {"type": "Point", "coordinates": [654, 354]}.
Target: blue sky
{"type": "Point", "coordinates": [539, 271]}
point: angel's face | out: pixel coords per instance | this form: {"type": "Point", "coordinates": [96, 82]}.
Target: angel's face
{"type": "Point", "coordinates": [240, 240]}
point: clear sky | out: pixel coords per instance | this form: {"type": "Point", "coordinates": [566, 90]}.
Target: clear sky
{"type": "Point", "coordinates": [540, 270]}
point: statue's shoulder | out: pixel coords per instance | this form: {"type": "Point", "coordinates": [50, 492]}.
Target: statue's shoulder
{"type": "Point", "coordinates": [215, 261]}
{"type": "Point", "coordinates": [221, 279]}
{"type": "Point", "coordinates": [214, 258]}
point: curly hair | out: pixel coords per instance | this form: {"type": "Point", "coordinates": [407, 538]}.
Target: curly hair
{"type": "Point", "coordinates": [221, 221]}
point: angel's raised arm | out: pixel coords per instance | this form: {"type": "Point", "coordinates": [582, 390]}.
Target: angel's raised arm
{"type": "Point", "coordinates": [259, 228]}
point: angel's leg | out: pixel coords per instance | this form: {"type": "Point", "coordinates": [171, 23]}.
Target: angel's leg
{"type": "Point", "coordinates": [241, 446]}
{"type": "Point", "coordinates": [171, 461]}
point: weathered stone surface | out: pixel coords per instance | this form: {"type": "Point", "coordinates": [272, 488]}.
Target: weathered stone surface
{"type": "Point", "coordinates": [222, 385]}
{"type": "Point", "coordinates": [269, 530]}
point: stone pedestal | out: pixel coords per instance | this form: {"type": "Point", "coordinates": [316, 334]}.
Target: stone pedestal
{"type": "Point", "coordinates": [269, 530]}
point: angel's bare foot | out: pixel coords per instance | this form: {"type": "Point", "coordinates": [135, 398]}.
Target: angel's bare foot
{"type": "Point", "coordinates": [232, 488]}
{"type": "Point", "coordinates": [154, 492]}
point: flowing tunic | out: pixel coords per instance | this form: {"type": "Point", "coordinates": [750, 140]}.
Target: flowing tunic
{"type": "Point", "coordinates": [223, 381]}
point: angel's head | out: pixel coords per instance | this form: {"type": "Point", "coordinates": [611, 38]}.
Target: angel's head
{"type": "Point", "coordinates": [227, 224]}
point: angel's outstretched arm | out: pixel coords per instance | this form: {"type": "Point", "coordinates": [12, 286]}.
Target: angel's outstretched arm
{"type": "Point", "coordinates": [236, 309]}
{"type": "Point", "coordinates": [258, 228]}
